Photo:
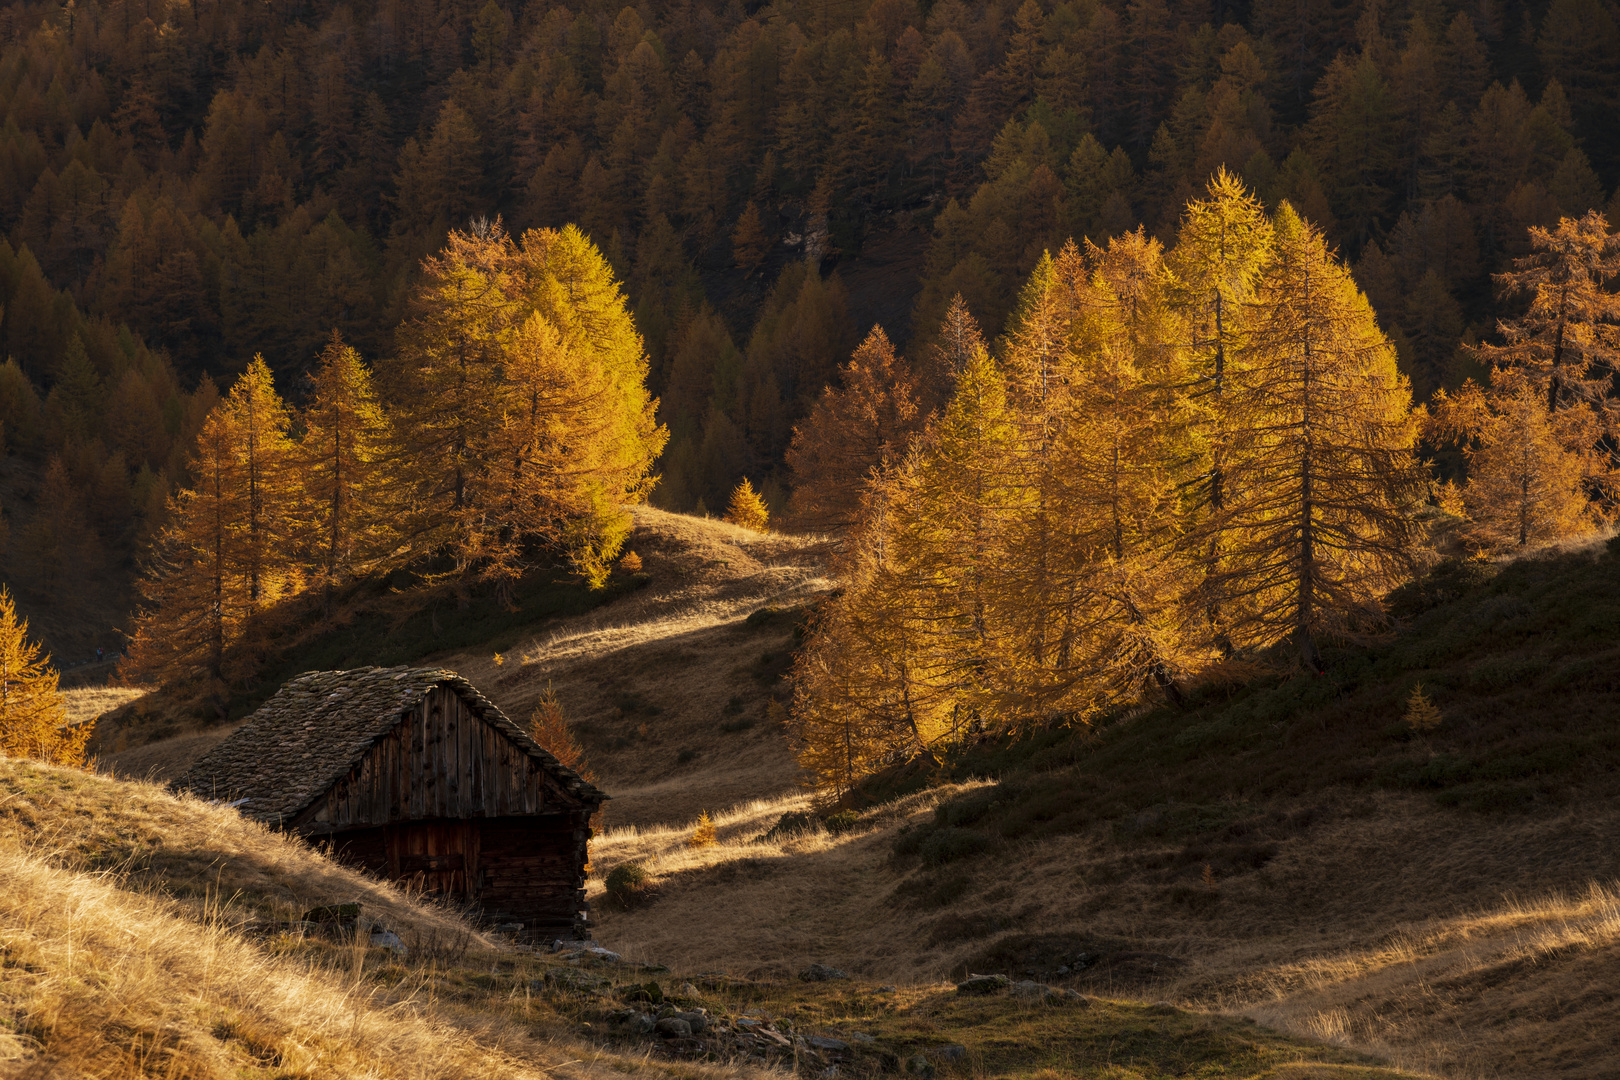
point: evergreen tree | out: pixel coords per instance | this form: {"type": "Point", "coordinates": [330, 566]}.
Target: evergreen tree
{"type": "Point", "coordinates": [341, 465]}
{"type": "Point", "coordinates": [858, 429]}
{"type": "Point", "coordinates": [1568, 342]}
{"type": "Point", "coordinates": [1322, 472]}
{"type": "Point", "coordinates": [1530, 468]}
{"type": "Point", "coordinates": [747, 508]}
{"type": "Point", "coordinates": [33, 716]}
{"type": "Point", "coordinates": [1223, 242]}
{"type": "Point", "coordinates": [196, 595]}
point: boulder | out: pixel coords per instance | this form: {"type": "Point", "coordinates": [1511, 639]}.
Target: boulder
{"type": "Point", "coordinates": [593, 952]}
{"type": "Point", "coordinates": [954, 1052]}
{"type": "Point", "coordinates": [983, 984]}
{"type": "Point", "coordinates": [673, 1027]}
{"type": "Point", "coordinates": [696, 1021]}
{"type": "Point", "coordinates": [387, 939]}
{"type": "Point", "coordinates": [919, 1066]}
{"type": "Point", "coordinates": [1029, 989]}
{"type": "Point", "coordinates": [821, 973]}
{"type": "Point", "coordinates": [828, 1046]}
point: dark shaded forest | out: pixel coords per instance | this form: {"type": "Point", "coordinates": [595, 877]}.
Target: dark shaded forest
{"type": "Point", "coordinates": [186, 185]}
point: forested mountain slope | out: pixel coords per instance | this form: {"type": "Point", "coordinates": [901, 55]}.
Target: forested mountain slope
{"type": "Point", "coordinates": [187, 184]}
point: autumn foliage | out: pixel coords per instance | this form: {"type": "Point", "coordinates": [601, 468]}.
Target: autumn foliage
{"type": "Point", "coordinates": [510, 429]}
{"type": "Point", "coordinates": [33, 721]}
{"type": "Point", "coordinates": [1173, 457]}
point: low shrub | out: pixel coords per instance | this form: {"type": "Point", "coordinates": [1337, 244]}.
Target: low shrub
{"type": "Point", "coordinates": [790, 825]}
{"type": "Point", "coordinates": [628, 884]}
{"type": "Point", "coordinates": [948, 845]}
{"type": "Point", "coordinates": [841, 822]}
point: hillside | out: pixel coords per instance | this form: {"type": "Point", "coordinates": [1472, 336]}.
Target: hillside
{"type": "Point", "coordinates": [668, 685]}
{"type": "Point", "coordinates": [149, 935]}
{"type": "Point", "coordinates": [1287, 850]}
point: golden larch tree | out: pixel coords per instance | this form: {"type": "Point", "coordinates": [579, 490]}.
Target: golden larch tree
{"type": "Point", "coordinates": [1530, 468]}
{"type": "Point", "coordinates": [1568, 341]}
{"type": "Point", "coordinates": [1322, 472]}
{"type": "Point", "coordinates": [1221, 246]}
{"type": "Point", "coordinates": [747, 508]}
{"type": "Point", "coordinates": [948, 537]}
{"type": "Point", "coordinates": [194, 590]}
{"type": "Point", "coordinates": [1121, 464]}
{"type": "Point", "coordinates": [342, 466]}
{"type": "Point", "coordinates": [33, 716]}
{"type": "Point", "coordinates": [859, 427]}
{"type": "Point", "coordinates": [267, 534]}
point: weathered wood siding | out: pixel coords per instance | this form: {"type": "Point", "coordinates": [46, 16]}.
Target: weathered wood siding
{"type": "Point", "coordinates": [532, 870]}
{"type": "Point", "coordinates": [526, 869]}
{"type": "Point", "coordinates": [442, 761]}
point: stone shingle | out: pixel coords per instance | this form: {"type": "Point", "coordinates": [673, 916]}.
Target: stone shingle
{"type": "Point", "coordinates": [321, 724]}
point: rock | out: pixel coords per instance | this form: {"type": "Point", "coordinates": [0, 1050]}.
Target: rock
{"type": "Point", "coordinates": [954, 1052]}
{"type": "Point", "coordinates": [828, 1046]}
{"type": "Point", "coordinates": [886, 990]}
{"type": "Point", "coordinates": [983, 984]}
{"type": "Point", "coordinates": [1063, 969]}
{"type": "Point", "coordinates": [1029, 989]}
{"type": "Point", "coordinates": [861, 1037]}
{"type": "Point", "coordinates": [647, 991]}
{"type": "Point", "coordinates": [594, 952]}
{"type": "Point", "coordinates": [821, 973]}
{"type": "Point", "coordinates": [773, 1036]}
{"type": "Point", "coordinates": [919, 1066]}
{"type": "Point", "coordinates": [688, 990]}
{"type": "Point", "coordinates": [749, 1023]}
{"type": "Point", "coordinates": [1054, 996]}
{"type": "Point", "coordinates": [387, 939]}
{"type": "Point", "coordinates": [671, 1027]}
{"type": "Point", "coordinates": [508, 928]}
{"type": "Point", "coordinates": [696, 1021]}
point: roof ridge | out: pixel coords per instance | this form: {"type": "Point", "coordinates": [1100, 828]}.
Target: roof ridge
{"type": "Point", "coordinates": [319, 725]}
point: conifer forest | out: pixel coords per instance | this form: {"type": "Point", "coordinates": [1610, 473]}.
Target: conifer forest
{"type": "Point", "coordinates": [1106, 341]}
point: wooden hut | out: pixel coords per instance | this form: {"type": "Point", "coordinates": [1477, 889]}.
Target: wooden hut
{"type": "Point", "coordinates": [414, 775]}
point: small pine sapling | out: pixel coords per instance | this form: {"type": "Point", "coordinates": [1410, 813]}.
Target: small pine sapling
{"type": "Point", "coordinates": [1209, 879]}
{"type": "Point", "coordinates": [705, 835]}
{"type": "Point", "coordinates": [630, 563]}
{"type": "Point", "coordinates": [747, 508]}
{"type": "Point", "coordinates": [1421, 714]}
{"type": "Point", "coordinates": [549, 727]}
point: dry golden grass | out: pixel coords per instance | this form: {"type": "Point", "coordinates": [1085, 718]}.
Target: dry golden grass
{"type": "Point", "coordinates": [118, 964]}
{"type": "Point", "coordinates": [653, 680]}
{"type": "Point", "coordinates": [1382, 928]}
{"type": "Point", "coordinates": [89, 702]}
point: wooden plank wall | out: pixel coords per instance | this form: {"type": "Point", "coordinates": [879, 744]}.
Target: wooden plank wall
{"type": "Point", "coordinates": [532, 870]}
{"type": "Point", "coordinates": [527, 869]}
{"type": "Point", "coordinates": [443, 761]}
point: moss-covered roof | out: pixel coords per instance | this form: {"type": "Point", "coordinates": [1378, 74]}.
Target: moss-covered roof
{"type": "Point", "coordinates": [320, 725]}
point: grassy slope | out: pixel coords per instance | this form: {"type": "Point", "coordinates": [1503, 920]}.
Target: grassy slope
{"type": "Point", "coordinates": [125, 909]}
{"type": "Point", "coordinates": [1287, 849]}
{"type": "Point", "coordinates": [665, 675]}
{"type": "Point", "coordinates": [1428, 897]}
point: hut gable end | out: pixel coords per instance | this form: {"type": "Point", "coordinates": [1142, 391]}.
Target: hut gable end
{"type": "Point", "coordinates": [336, 750]}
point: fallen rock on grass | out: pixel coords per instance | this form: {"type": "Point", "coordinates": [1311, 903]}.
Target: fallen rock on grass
{"type": "Point", "coordinates": [983, 984]}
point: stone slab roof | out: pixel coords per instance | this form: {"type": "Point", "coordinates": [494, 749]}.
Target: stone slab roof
{"type": "Point", "coordinates": [320, 725]}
